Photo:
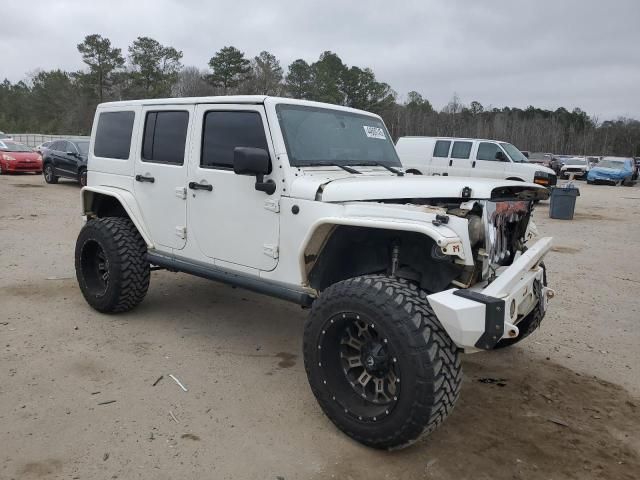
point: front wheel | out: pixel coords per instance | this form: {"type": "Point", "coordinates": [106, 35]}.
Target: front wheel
{"type": "Point", "coordinates": [381, 366]}
{"type": "Point", "coordinates": [49, 176]}
{"type": "Point", "coordinates": [111, 265]}
{"type": "Point", "coordinates": [82, 178]}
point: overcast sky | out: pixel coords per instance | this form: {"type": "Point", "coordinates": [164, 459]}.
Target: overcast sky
{"type": "Point", "coordinates": [571, 53]}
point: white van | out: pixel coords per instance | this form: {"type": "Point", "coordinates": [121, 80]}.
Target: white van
{"type": "Point", "coordinates": [470, 157]}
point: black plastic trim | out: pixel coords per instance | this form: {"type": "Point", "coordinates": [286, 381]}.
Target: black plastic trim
{"type": "Point", "coordinates": [255, 284]}
{"type": "Point", "coordinates": [493, 317]}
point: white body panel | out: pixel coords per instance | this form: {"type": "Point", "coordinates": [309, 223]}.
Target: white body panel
{"type": "Point", "coordinates": [417, 154]}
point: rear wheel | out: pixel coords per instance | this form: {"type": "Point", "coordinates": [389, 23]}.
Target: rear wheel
{"type": "Point", "coordinates": [111, 264]}
{"type": "Point", "coordinates": [378, 361]}
{"type": "Point", "coordinates": [49, 176]}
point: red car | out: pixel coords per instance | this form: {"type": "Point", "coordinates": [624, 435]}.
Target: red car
{"type": "Point", "coordinates": [16, 157]}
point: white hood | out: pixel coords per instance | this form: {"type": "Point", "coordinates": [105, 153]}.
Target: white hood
{"type": "Point", "coordinates": [387, 187]}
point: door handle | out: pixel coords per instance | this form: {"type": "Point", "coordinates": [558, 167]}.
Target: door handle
{"type": "Point", "coordinates": [450, 162]}
{"type": "Point", "coordinates": [142, 178]}
{"type": "Point", "coordinates": [473, 165]}
{"type": "Point", "coordinates": [200, 186]}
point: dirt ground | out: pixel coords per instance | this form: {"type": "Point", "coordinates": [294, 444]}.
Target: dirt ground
{"type": "Point", "coordinates": [563, 405]}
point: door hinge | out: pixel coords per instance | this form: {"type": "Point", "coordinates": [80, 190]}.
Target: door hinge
{"type": "Point", "coordinates": [181, 192]}
{"type": "Point", "coordinates": [181, 231]}
{"type": "Point", "coordinates": [271, 250]}
{"type": "Point", "coordinates": [272, 205]}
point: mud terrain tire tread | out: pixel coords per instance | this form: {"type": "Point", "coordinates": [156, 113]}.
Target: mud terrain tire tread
{"type": "Point", "coordinates": [129, 268]}
{"type": "Point", "coordinates": [428, 351]}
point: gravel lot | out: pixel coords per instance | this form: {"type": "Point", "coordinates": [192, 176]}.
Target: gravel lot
{"type": "Point", "coordinates": [563, 405]}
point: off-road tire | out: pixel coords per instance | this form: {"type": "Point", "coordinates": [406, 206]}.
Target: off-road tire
{"type": "Point", "coordinates": [124, 252]}
{"type": "Point", "coordinates": [526, 326]}
{"type": "Point", "coordinates": [428, 360]}
{"type": "Point", "coordinates": [47, 172]}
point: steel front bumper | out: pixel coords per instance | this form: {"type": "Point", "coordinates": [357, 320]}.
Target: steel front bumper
{"type": "Point", "coordinates": [477, 318]}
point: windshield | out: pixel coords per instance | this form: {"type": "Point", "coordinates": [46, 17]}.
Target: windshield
{"type": "Point", "coordinates": [515, 154]}
{"type": "Point", "coordinates": [617, 164]}
{"type": "Point", "coordinates": [83, 147]}
{"type": "Point", "coordinates": [8, 146]}
{"type": "Point", "coordinates": [321, 135]}
{"type": "Point", "coordinates": [575, 161]}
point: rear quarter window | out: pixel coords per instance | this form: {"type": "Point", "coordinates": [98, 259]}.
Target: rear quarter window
{"type": "Point", "coordinates": [113, 135]}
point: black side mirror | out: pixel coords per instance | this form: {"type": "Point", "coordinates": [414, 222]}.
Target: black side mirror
{"type": "Point", "coordinates": [526, 154]}
{"type": "Point", "coordinates": [254, 161]}
{"type": "Point", "coordinates": [500, 156]}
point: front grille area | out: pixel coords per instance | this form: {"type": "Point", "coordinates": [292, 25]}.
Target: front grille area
{"type": "Point", "coordinates": [505, 226]}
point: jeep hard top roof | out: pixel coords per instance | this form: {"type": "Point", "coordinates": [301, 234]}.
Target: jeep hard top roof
{"type": "Point", "coordinates": [417, 137]}
{"type": "Point", "coordinates": [229, 99]}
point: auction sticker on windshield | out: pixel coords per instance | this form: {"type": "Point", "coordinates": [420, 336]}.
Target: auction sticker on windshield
{"type": "Point", "coordinates": [374, 132]}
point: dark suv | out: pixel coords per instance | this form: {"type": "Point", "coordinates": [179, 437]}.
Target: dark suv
{"type": "Point", "coordinates": [66, 158]}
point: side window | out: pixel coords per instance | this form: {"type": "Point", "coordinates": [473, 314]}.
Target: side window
{"type": "Point", "coordinates": [487, 151]}
{"type": "Point", "coordinates": [224, 131]}
{"type": "Point", "coordinates": [113, 135]}
{"type": "Point", "coordinates": [54, 146]}
{"type": "Point", "coordinates": [165, 136]}
{"type": "Point", "coordinates": [461, 150]}
{"type": "Point", "coordinates": [442, 148]}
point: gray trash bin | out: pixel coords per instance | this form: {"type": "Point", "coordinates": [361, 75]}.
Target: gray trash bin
{"type": "Point", "coordinates": [563, 202]}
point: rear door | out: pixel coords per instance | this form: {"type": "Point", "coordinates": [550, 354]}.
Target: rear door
{"type": "Point", "coordinates": [233, 223]}
{"type": "Point", "coordinates": [161, 173]}
{"type": "Point", "coordinates": [487, 165]}
{"type": "Point", "coordinates": [460, 162]}
{"type": "Point", "coordinates": [55, 155]}
{"type": "Point", "coordinates": [67, 161]}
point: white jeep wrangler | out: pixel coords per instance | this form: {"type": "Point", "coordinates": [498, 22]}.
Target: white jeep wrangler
{"type": "Point", "coordinates": [307, 202]}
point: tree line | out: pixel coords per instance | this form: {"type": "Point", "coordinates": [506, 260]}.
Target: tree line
{"type": "Point", "coordinates": [61, 102]}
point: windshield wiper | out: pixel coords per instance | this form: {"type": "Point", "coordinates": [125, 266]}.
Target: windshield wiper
{"type": "Point", "coordinates": [330, 164]}
{"type": "Point", "coordinates": [379, 164]}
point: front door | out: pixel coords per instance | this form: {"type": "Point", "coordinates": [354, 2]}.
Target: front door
{"type": "Point", "coordinates": [231, 221]}
{"type": "Point", "coordinates": [161, 173]}
{"type": "Point", "coordinates": [487, 165]}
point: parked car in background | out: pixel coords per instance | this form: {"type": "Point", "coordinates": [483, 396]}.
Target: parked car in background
{"type": "Point", "coordinates": [557, 161]}
{"type": "Point", "coordinates": [67, 159]}
{"type": "Point", "coordinates": [614, 171]}
{"type": "Point", "coordinates": [40, 148]}
{"type": "Point", "coordinates": [16, 158]}
{"type": "Point", "coordinates": [577, 165]}
{"type": "Point", "coordinates": [470, 157]}
{"type": "Point", "coordinates": [540, 158]}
